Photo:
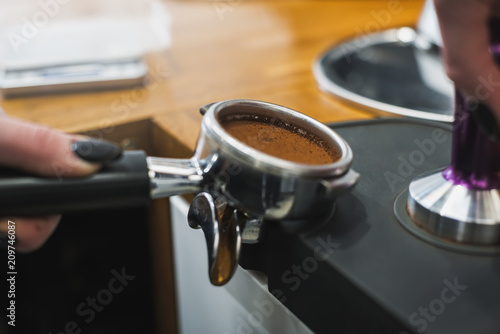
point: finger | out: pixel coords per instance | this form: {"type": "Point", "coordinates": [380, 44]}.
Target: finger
{"type": "Point", "coordinates": [464, 27]}
{"type": "Point", "coordinates": [40, 150]}
{"type": "Point", "coordinates": [30, 233]}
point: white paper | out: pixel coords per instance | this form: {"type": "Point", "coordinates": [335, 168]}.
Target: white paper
{"type": "Point", "coordinates": [54, 32]}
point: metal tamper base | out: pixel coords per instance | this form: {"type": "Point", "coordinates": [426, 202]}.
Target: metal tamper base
{"type": "Point", "coordinates": [453, 211]}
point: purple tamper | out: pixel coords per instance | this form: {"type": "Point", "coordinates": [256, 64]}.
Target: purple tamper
{"type": "Point", "coordinates": [461, 202]}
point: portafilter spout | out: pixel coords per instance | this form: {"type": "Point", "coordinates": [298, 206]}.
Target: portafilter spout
{"type": "Point", "coordinates": [462, 202]}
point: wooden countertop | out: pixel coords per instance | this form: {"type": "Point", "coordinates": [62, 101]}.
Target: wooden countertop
{"type": "Point", "coordinates": [223, 50]}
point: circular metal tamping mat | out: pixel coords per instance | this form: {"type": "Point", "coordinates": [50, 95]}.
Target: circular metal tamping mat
{"type": "Point", "coordinates": [395, 71]}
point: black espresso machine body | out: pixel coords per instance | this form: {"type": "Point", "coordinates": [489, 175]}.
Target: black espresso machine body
{"type": "Point", "coordinates": [362, 270]}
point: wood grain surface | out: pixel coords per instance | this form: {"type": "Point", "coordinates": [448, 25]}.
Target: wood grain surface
{"type": "Point", "coordinates": [223, 50]}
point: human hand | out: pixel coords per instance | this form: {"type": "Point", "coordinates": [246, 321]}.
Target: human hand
{"type": "Point", "coordinates": [42, 151]}
{"type": "Point", "coordinates": [465, 29]}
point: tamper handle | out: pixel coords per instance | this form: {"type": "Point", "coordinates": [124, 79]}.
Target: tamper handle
{"type": "Point", "coordinates": [475, 161]}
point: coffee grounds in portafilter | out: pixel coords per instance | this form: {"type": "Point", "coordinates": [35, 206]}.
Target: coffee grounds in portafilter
{"type": "Point", "coordinates": [280, 139]}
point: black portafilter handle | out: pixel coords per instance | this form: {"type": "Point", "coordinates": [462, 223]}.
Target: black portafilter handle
{"type": "Point", "coordinates": [120, 183]}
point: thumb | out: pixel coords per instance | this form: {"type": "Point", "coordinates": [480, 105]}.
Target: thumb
{"type": "Point", "coordinates": [40, 150]}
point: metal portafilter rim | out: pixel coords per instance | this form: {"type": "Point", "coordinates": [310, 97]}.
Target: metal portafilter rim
{"type": "Point", "coordinates": [267, 163]}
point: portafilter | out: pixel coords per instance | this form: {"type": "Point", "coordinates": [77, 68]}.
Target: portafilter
{"type": "Point", "coordinates": [223, 169]}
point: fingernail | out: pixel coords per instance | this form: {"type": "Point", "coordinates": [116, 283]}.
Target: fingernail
{"type": "Point", "coordinates": [93, 150]}
{"type": "Point", "coordinates": [486, 122]}
{"type": "Point", "coordinates": [4, 238]}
